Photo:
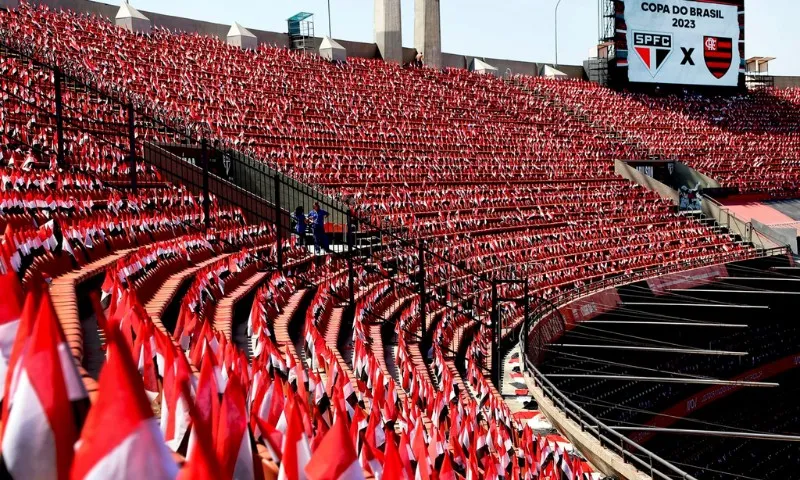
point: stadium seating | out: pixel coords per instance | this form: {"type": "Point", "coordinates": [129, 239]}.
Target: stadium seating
{"type": "Point", "coordinates": [747, 142]}
{"type": "Point", "coordinates": [441, 153]}
{"type": "Point", "coordinates": [722, 458]}
{"type": "Point", "coordinates": [490, 176]}
{"type": "Point", "coordinates": [627, 402]}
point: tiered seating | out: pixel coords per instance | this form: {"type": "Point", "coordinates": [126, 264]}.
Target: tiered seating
{"type": "Point", "coordinates": [487, 175]}
{"type": "Point", "coordinates": [624, 402]}
{"type": "Point", "coordinates": [751, 410]}
{"type": "Point", "coordinates": [748, 141]}
{"type": "Point", "coordinates": [442, 154]}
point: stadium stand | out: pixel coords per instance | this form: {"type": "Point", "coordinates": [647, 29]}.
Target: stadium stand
{"type": "Point", "coordinates": [746, 142]}
{"type": "Point", "coordinates": [481, 141]}
{"type": "Point", "coordinates": [727, 458]}
{"type": "Point", "coordinates": [493, 180]}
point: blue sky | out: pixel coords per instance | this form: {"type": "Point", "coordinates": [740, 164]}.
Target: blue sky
{"type": "Point", "coordinates": [512, 29]}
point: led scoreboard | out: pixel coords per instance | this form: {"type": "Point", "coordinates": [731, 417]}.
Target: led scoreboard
{"type": "Point", "coordinates": [682, 42]}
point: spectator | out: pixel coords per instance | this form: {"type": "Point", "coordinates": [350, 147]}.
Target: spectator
{"type": "Point", "coordinates": [317, 220]}
{"type": "Point", "coordinates": [300, 225]}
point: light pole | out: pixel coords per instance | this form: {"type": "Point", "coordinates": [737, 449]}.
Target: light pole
{"type": "Point", "coordinates": [330, 34]}
{"type": "Point", "coordinates": [555, 24]}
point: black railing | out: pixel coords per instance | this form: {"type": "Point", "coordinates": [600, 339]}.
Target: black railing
{"type": "Point", "coordinates": [187, 154]}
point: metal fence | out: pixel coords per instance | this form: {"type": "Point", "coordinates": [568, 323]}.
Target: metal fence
{"type": "Point", "coordinates": [187, 154]}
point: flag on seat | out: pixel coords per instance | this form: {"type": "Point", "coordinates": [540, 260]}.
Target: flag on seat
{"type": "Point", "coordinates": [121, 438]}
{"type": "Point", "coordinates": [40, 428]}
{"type": "Point", "coordinates": [335, 458]}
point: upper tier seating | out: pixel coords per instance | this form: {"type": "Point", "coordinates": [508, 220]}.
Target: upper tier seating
{"type": "Point", "coordinates": [749, 141]}
{"type": "Point", "coordinates": [453, 157]}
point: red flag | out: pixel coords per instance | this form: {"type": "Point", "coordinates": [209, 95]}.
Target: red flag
{"type": "Point", "coordinates": [134, 447]}
{"type": "Point", "coordinates": [336, 458]}
{"type": "Point", "coordinates": [296, 452]}
{"type": "Point", "coordinates": [233, 438]}
{"type": "Point", "coordinates": [41, 430]}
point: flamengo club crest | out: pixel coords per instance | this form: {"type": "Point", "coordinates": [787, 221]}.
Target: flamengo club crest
{"type": "Point", "coordinates": [653, 49]}
{"type": "Point", "coordinates": [718, 53]}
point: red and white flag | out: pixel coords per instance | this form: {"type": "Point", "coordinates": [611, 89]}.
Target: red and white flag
{"type": "Point", "coordinates": [296, 451]}
{"type": "Point", "coordinates": [335, 458]}
{"type": "Point", "coordinates": [10, 312]}
{"type": "Point", "coordinates": [234, 451]}
{"type": "Point", "coordinates": [40, 428]}
{"type": "Point", "coordinates": [134, 447]}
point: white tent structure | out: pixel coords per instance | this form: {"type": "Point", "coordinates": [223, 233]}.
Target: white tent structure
{"type": "Point", "coordinates": [130, 18]}
{"type": "Point", "coordinates": [238, 36]}
{"type": "Point", "coordinates": [479, 66]}
{"type": "Point", "coordinates": [332, 51]}
{"type": "Point", "coordinates": [552, 72]}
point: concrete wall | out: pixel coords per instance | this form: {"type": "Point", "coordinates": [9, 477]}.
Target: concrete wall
{"type": "Point", "coordinates": [388, 30]}
{"type": "Point", "coordinates": [685, 175]}
{"type": "Point", "coordinates": [787, 236]}
{"type": "Point", "coordinates": [787, 82]}
{"type": "Point", "coordinates": [354, 49]}
{"type": "Point", "coordinates": [650, 183]}
{"type": "Point", "coordinates": [428, 31]}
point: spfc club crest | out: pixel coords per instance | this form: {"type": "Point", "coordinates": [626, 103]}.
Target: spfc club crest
{"type": "Point", "coordinates": [653, 49]}
{"type": "Point", "coordinates": [718, 53]}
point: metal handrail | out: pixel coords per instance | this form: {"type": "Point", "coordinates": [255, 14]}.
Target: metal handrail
{"type": "Point", "coordinates": [588, 422]}
{"type": "Point", "coordinates": [623, 446]}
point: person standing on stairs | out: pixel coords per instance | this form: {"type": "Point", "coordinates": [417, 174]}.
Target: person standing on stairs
{"type": "Point", "coordinates": [317, 219]}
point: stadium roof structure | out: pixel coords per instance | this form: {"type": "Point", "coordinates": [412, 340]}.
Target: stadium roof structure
{"type": "Point", "coordinates": [331, 50]}
{"type": "Point", "coordinates": [126, 10]}
{"type": "Point", "coordinates": [552, 72]}
{"type": "Point", "coordinates": [239, 31]}
{"type": "Point", "coordinates": [480, 66]}
{"type": "Point", "coordinates": [299, 17]}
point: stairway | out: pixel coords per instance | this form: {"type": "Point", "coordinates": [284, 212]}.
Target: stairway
{"type": "Point", "coordinates": [609, 133]}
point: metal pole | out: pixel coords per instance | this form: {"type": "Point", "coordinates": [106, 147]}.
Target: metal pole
{"type": "Point", "coordinates": [688, 381]}
{"type": "Point", "coordinates": [526, 324]}
{"type": "Point", "coordinates": [350, 271]}
{"type": "Point", "coordinates": [278, 228]}
{"type": "Point", "coordinates": [421, 286]}
{"type": "Point", "coordinates": [713, 433]}
{"type": "Point", "coordinates": [132, 141]}
{"type": "Point", "coordinates": [687, 351]}
{"type": "Point", "coordinates": [59, 117]}
{"type": "Point", "coordinates": [496, 330]}
{"type": "Point", "coordinates": [555, 24]}
{"type": "Point", "coordinates": [330, 31]}
{"type": "Point", "coordinates": [206, 196]}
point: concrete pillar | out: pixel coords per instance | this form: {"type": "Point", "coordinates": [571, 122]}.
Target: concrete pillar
{"type": "Point", "coordinates": [388, 31]}
{"type": "Point", "coordinates": [238, 36]}
{"type": "Point", "coordinates": [428, 32]}
{"type": "Point", "coordinates": [132, 19]}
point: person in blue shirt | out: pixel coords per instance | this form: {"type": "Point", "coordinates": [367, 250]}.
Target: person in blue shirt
{"type": "Point", "coordinates": [318, 227]}
{"type": "Point", "coordinates": [300, 225]}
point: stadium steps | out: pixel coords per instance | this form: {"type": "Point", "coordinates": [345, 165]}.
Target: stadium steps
{"type": "Point", "coordinates": [295, 309]}
{"type": "Point", "coordinates": [284, 321]}
{"type": "Point", "coordinates": [381, 356]}
{"type": "Point", "coordinates": [224, 316]}
{"type": "Point", "coordinates": [63, 291]}
{"type": "Point", "coordinates": [514, 389]}
{"type": "Point", "coordinates": [331, 334]}
{"type": "Point", "coordinates": [157, 306]}
{"type": "Point", "coordinates": [608, 132]}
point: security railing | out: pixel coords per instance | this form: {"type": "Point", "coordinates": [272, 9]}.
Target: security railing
{"type": "Point", "coordinates": [628, 450]}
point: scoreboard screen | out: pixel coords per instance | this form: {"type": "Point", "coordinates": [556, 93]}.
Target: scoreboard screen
{"type": "Point", "coordinates": [681, 42]}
